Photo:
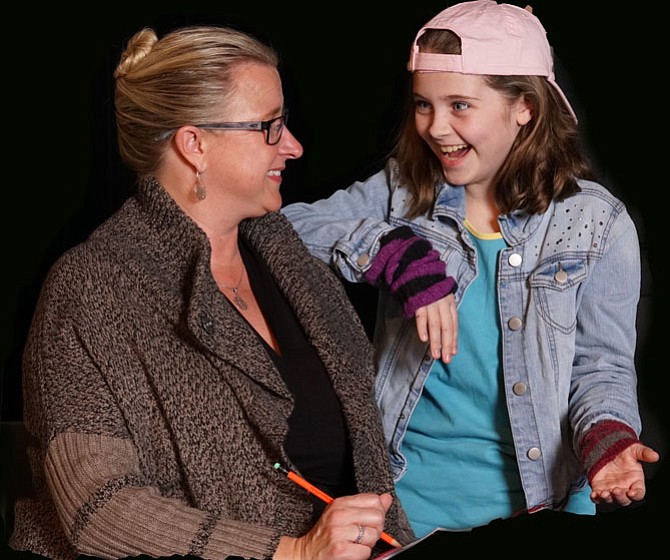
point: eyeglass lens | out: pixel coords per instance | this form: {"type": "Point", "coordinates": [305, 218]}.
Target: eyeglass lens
{"type": "Point", "coordinates": [276, 128]}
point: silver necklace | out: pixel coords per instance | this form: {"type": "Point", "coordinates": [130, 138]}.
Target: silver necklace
{"type": "Point", "coordinates": [238, 300]}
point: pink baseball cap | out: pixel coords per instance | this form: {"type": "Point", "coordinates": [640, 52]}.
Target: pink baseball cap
{"type": "Point", "coordinates": [496, 39]}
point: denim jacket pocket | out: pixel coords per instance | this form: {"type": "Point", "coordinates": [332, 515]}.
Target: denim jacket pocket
{"type": "Point", "coordinates": [553, 288]}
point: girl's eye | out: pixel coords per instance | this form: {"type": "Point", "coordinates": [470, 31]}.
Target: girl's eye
{"type": "Point", "coordinates": [460, 105]}
{"type": "Point", "coordinates": [421, 106]}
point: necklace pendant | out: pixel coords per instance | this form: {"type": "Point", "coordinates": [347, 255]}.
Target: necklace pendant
{"type": "Point", "coordinates": [239, 301]}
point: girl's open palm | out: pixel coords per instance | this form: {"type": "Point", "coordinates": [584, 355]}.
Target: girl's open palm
{"type": "Point", "coordinates": [621, 481]}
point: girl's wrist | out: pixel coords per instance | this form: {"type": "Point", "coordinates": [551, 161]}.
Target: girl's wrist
{"type": "Point", "coordinates": [602, 443]}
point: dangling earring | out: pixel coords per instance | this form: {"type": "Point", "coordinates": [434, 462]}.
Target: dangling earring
{"type": "Point", "coordinates": [200, 188]}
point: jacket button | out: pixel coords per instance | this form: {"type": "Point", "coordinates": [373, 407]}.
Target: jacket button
{"type": "Point", "coordinates": [519, 388]}
{"type": "Point", "coordinates": [207, 324]}
{"type": "Point", "coordinates": [561, 276]}
{"type": "Point", "coordinates": [363, 260]}
{"type": "Point", "coordinates": [515, 323]}
{"type": "Point", "coordinates": [515, 259]}
{"type": "Point", "coordinates": [534, 453]}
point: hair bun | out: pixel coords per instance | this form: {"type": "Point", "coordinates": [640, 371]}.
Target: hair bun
{"type": "Point", "coordinates": [139, 46]}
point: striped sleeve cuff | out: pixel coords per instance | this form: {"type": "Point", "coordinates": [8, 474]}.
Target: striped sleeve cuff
{"type": "Point", "coordinates": [410, 269]}
{"type": "Point", "coordinates": [602, 443]}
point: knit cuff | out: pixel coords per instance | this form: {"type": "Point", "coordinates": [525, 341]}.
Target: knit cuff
{"type": "Point", "coordinates": [602, 443]}
{"type": "Point", "coordinates": [410, 269]}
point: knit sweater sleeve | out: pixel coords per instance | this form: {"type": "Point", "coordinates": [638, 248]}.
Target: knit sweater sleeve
{"type": "Point", "coordinates": [104, 460]}
{"type": "Point", "coordinates": [109, 513]}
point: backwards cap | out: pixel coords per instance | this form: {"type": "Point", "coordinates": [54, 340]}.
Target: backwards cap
{"type": "Point", "coordinates": [496, 39]}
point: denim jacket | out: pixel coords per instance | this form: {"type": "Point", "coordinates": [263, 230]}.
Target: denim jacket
{"type": "Point", "coordinates": [568, 289]}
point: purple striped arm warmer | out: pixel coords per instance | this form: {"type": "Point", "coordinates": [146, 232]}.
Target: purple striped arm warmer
{"type": "Point", "coordinates": [409, 267]}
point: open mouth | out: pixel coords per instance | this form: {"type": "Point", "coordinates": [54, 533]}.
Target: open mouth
{"type": "Point", "coordinates": [455, 151]}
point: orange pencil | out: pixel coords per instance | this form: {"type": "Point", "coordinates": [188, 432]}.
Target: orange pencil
{"type": "Point", "coordinates": [300, 481]}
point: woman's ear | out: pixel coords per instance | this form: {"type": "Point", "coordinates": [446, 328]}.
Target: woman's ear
{"type": "Point", "coordinates": [189, 141]}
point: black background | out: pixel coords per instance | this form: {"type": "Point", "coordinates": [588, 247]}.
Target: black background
{"type": "Point", "coordinates": [343, 67]}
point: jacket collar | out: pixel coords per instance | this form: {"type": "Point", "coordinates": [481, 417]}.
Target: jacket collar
{"type": "Point", "coordinates": [516, 227]}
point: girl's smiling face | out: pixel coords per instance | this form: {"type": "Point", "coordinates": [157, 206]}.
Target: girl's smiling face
{"type": "Point", "coordinates": [468, 125]}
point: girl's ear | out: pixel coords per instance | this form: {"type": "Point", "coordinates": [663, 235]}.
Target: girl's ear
{"type": "Point", "coordinates": [524, 111]}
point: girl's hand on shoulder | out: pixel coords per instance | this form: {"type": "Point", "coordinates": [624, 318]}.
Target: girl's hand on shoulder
{"type": "Point", "coordinates": [348, 529]}
{"type": "Point", "coordinates": [437, 324]}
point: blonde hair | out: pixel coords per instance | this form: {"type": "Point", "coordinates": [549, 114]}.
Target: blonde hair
{"type": "Point", "coordinates": [183, 78]}
{"type": "Point", "coordinates": [543, 164]}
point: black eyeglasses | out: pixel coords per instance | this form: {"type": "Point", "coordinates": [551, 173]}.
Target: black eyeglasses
{"type": "Point", "coordinates": [273, 128]}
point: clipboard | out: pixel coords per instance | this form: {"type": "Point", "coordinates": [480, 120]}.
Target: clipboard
{"type": "Point", "coordinates": [421, 549]}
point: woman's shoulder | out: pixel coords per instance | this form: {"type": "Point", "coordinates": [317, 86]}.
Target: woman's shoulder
{"type": "Point", "coordinates": [103, 266]}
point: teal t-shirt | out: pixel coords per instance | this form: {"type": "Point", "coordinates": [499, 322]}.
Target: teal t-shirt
{"type": "Point", "coordinates": [461, 464]}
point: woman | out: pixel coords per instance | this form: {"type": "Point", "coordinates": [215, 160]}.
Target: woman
{"type": "Point", "coordinates": [191, 342]}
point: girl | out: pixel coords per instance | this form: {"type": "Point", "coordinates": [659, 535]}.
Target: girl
{"type": "Point", "coordinates": [538, 408]}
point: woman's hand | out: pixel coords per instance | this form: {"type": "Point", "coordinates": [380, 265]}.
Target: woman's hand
{"type": "Point", "coordinates": [348, 529]}
{"type": "Point", "coordinates": [621, 481]}
{"type": "Point", "coordinates": [437, 323]}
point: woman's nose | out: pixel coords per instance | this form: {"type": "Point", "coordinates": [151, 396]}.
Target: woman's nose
{"type": "Point", "coordinates": [289, 145]}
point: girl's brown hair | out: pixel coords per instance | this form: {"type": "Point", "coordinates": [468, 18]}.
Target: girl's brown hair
{"type": "Point", "coordinates": [543, 164]}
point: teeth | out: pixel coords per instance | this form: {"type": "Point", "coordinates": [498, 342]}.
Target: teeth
{"type": "Point", "coordinates": [451, 149]}
{"type": "Point", "coordinates": [274, 173]}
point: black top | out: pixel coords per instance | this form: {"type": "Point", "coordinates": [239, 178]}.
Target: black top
{"type": "Point", "coordinates": [317, 441]}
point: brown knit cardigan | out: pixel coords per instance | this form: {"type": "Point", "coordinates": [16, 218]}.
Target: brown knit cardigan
{"type": "Point", "coordinates": [156, 412]}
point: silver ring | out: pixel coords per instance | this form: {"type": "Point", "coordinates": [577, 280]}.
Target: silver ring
{"type": "Point", "coordinates": [361, 532]}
